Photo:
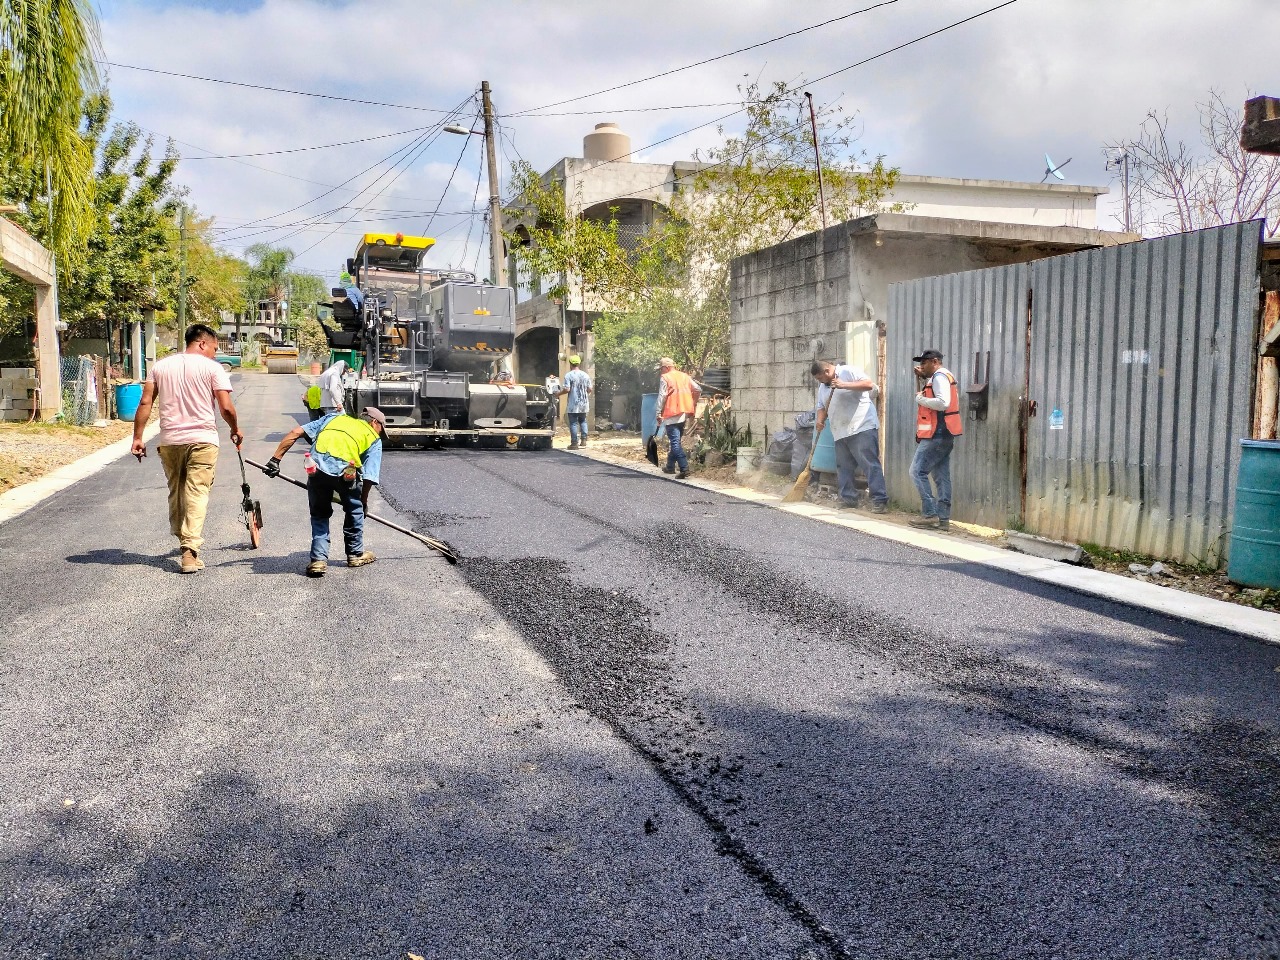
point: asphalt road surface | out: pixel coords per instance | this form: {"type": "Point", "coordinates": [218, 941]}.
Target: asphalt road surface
{"type": "Point", "coordinates": [639, 720]}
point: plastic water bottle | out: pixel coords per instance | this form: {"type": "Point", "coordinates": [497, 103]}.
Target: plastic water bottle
{"type": "Point", "coordinates": [308, 464]}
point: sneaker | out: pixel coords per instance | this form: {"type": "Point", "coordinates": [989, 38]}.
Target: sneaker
{"type": "Point", "coordinates": [928, 523]}
{"type": "Point", "coordinates": [191, 563]}
{"type": "Point", "coordinates": [880, 508]}
{"type": "Point", "coordinates": [316, 568]}
{"type": "Point", "coordinates": [362, 560]}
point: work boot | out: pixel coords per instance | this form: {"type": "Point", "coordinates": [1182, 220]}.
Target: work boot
{"type": "Point", "coordinates": [573, 446]}
{"type": "Point", "coordinates": [361, 560]}
{"type": "Point", "coordinates": [317, 568]}
{"type": "Point", "coordinates": [880, 508]}
{"type": "Point", "coordinates": [944, 526]}
{"type": "Point", "coordinates": [584, 440]}
{"type": "Point", "coordinates": [682, 475]}
{"type": "Point", "coordinates": [191, 563]}
{"type": "Point", "coordinates": [668, 469]}
{"type": "Point", "coordinates": [927, 523]}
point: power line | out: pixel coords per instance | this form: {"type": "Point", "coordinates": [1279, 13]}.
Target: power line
{"type": "Point", "coordinates": [461, 153]}
{"type": "Point", "coordinates": [260, 86]}
{"type": "Point", "coordinates": [701, 63]}
{"type": "Point", "coordinates": [323, 146]}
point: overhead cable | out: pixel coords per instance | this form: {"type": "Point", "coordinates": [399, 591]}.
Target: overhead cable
{"type": "Point", "coordinates": [702, 63]}
{"type": "Point", "coordinates": [322, 146]}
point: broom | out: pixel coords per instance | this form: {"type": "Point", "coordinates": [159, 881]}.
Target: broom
{"type": "Point", "coordinates": [797, 492]}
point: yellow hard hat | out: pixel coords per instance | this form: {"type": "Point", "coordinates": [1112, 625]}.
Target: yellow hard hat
{"type": "Point", "coordinates": [575, 359]}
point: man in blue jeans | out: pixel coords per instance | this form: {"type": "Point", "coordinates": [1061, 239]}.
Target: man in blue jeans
{"type": "Point", "coordinates": [578, 386]}
{"type": "Point", "coordinates": [938, 423]}
{"type": "Point", "coordinates": [855, 428]}
{"type": "Point", "coordinates": [347, 453]}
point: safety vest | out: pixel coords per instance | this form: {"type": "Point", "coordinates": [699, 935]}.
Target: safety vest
{"type": "Point", "coordinates": [927, 418]}
{"type": "Point", "coordinates": [313, 397]}
{"type": "Point", "coordinates": [679, 395]}
{"type": "Point", "coordinates": [346, 438]}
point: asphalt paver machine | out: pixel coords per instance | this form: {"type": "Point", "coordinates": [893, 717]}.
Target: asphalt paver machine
{"type": "Point", "coordinates": [437, 350]}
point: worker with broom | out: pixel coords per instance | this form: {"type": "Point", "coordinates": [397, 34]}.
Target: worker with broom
{"type": "Point", "coordinates": [846, 398]}
{"type": "Point", "coordinates": [346, 454]}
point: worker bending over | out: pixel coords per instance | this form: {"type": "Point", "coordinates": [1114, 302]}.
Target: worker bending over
{"type": "Point", "coordinates": [347, 453]}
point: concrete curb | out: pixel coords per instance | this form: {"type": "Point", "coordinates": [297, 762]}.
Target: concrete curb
{"type": "Point", "coordinates": [1168, 601]}
{"type": "Point", "coordinates": [19, 500]}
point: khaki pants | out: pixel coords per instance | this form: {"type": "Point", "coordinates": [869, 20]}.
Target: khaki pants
{"type": "Point", "coordinates": [189, 469]}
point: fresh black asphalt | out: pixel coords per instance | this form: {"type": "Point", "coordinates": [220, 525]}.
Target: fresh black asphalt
{"type": "Point", "coordinates": [639, 720]}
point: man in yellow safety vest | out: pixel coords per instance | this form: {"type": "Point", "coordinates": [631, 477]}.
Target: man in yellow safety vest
{"type": "Point", "coordinates": [347, 455]}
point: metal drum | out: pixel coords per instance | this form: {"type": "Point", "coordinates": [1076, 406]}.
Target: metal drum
{"type": "Point", "coordinates": [1255, 534]}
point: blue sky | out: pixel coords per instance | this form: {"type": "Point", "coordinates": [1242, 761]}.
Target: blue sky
{"type": "Point", "coordinates": [984, 100]}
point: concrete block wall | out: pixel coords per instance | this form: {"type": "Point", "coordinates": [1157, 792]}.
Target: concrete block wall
{"type": "Point", "coordinates": [790, 303]}
{"type": "Point", "coordinates": [17, 393]}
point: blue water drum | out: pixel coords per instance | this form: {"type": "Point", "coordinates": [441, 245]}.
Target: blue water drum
{"type": "Point", "coordinates": [128, 396]}
{"type": "Point", "coordinates": [824, 457]}
{"type": "Point", "coordinates": [1255, 534]}
{"type": "Point", "coordinates": [648, 415]}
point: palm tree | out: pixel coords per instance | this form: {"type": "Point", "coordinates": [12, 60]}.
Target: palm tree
{"type": "Point", "coordinates": [47, 69]}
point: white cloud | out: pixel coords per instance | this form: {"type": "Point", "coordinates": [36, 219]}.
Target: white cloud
{"type": "Point", "coordinates": [983, 100]}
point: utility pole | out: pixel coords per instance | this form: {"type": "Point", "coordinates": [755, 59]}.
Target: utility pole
{"type": "Point", "coordinates": [817, 156]}
{"type": "Point", "coordinates": [1122, 162]}
{"type": "Point", "coordinates": [498, 263]}
{"type": "Point", "coordinates": [182, 270]}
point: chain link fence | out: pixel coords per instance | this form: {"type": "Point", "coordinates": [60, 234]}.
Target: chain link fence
{"type": "Point", "coordinates": [83, 390]}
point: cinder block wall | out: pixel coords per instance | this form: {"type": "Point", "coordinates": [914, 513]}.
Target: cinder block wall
{"type": "Point", "coordinates": [784, 300]}
{"type": "Point", "coordinates": [17, 392]}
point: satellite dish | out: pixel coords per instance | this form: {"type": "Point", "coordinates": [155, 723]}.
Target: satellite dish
{"type": "Point", "coordinates": [1053, 169]}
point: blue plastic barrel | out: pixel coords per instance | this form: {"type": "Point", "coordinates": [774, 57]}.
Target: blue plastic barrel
{"type": "Point", "coordinates": [1255, 534]}
{"type": "Point", "coordinates": [824, 457]}
{"type": "Point", "coordinates": [128, 396]}
{"type": "Point", "coordinates": [648, 415]}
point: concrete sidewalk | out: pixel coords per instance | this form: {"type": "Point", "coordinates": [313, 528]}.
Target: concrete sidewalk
{"type": "Point", "coordinates": [1177, 604]}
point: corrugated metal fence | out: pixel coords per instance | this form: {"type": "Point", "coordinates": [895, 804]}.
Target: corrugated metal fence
{"type": "Point", "coordinates": [1119, 382]}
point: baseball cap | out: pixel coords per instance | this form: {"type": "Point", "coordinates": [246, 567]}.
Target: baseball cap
{"type": "Point", "coordinates": [666, 362]}
{"type": "Point", "coordinates": [373, 413]}
{"type": "Point", "coordinates": [927, 355]}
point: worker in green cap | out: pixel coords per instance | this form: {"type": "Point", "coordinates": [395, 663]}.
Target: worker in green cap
{"type": "Point", "coordinates": [578, 386]}
{"type": "Point", "coordinates": [314, 399]}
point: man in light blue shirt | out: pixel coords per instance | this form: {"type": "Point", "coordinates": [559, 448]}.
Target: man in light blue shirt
{"type": "Point", "coordinates": [578, 386]}
{"type": "Point", "coordinates": [855, 428]}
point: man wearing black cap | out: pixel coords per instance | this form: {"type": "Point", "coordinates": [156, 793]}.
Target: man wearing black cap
{"type": "Point", "coordinates": [347, 453]}
{"type": "Point", "coordinates": [938, 423]}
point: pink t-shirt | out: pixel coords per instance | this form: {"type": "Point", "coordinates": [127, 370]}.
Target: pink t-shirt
{"type": "Point", "coordinates": [185, 385]}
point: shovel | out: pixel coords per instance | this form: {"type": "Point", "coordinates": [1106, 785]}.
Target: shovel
{"type": "Point", "coordinates": [797, 492]}
{"type": "Point", "coordinates": [439, 546]}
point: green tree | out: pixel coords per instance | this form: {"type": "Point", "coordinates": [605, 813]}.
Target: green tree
{"type": "Point", "coordinates": [270, 277]}
{"type": "Point", "coordinates": [129, 259]}
{"type": "Point", "coordinates": [216, 280]}
{"type": "Point", "coordinates": [47, 51]}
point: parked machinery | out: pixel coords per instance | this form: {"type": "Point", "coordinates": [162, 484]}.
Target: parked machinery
{"type": "Point", "coordinates": [437, 348]}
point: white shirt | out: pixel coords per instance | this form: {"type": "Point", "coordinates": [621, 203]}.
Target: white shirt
{"type": "Point", "coordinates": [852, 411]}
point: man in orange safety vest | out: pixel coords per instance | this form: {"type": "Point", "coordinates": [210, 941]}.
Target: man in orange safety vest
{"type": "Point", "coordinates": [677, 404]}
{"type": "Point", "coordinates": [938, 423]}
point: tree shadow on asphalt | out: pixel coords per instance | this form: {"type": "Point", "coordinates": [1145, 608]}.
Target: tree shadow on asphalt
{"type": "Point", "coordinates": [443, 862]}
{"type": "Point", "coordinates": [126, 558]}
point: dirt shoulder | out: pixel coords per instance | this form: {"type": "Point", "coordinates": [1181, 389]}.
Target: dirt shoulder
{"type": "Point", "coordinates": [29, 451]}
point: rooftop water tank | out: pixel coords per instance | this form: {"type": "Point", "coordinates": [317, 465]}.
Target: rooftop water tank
{"type": "Point", "coordinates": [606, 142]}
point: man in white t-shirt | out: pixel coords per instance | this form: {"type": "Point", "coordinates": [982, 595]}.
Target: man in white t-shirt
{"type": "Point", "coordinates": [193, 390]}
{"type": "Point", "coordinates": [855, 428]}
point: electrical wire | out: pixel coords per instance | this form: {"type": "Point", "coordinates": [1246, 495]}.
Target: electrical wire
{"type": "Point", "coordinates": [475, 199]}
{"type": "Point", "coordinates": [702, 63]}
{"type": "Point", "coordinates": [448, 183]}
{"type": "Point", "coordinates": [261, 86]}
{"type": "Point", "coordinates": [323, 146]}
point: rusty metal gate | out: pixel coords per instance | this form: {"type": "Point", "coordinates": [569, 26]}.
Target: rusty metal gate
{"type": "Point", "coordinates": [1117, 383]}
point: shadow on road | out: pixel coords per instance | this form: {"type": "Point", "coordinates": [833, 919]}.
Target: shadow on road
{"type": "Point", "coordinates": [126, 558]}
